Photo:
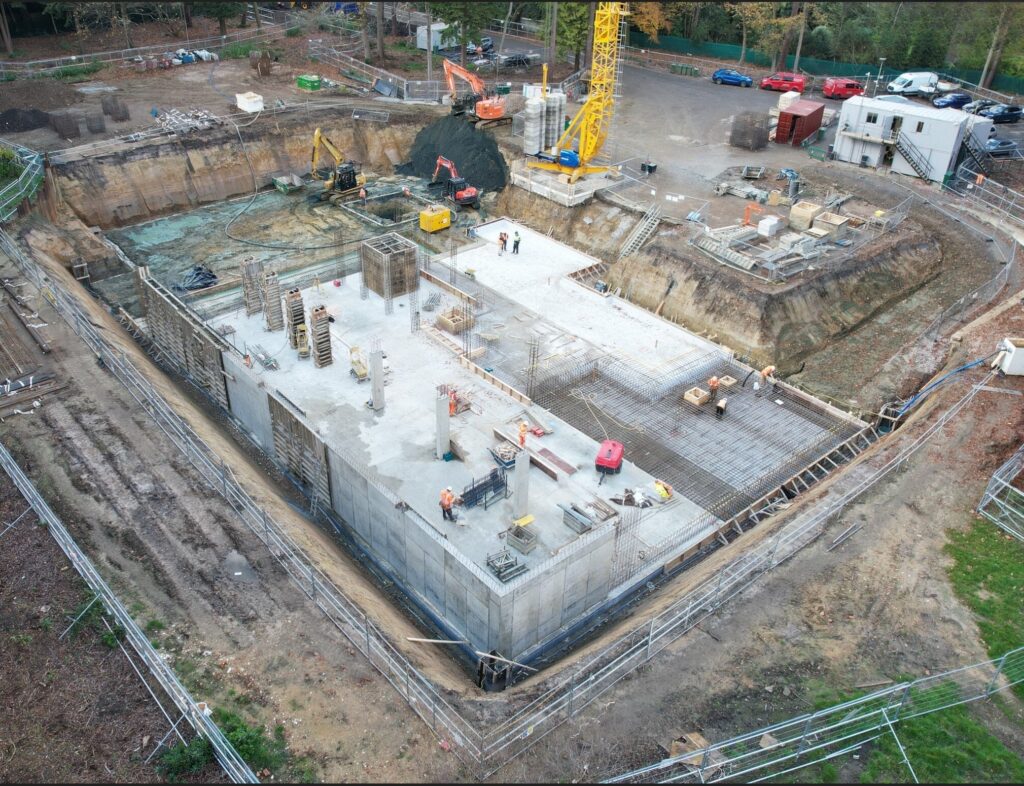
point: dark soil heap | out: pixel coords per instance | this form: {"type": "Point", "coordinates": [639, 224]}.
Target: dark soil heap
{"type": "Point", "coordinates": [474, 153]}
{"type": "Point", "coordinates": [23, 119]}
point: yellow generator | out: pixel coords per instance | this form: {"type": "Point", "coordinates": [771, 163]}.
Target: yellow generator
{"type": "Point", "coordinates": [435, 218]}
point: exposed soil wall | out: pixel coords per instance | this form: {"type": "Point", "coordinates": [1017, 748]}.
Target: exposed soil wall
{"type": "Point", "coordinates": [787, 324]}
{"type": "Point", "coordinates": [133, 185]}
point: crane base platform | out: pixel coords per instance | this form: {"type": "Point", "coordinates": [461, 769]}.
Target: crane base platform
{"type": "Point", "coordinates": [556, 186]}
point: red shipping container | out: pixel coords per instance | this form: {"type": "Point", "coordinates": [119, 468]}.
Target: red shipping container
{"type": "Point", "coordinates": [798, 121]}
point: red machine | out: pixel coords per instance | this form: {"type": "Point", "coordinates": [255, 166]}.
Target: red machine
{"type": "Point", "coordinates": [609, 457]}
{"type": "Point", "coordinates": [456, 189]}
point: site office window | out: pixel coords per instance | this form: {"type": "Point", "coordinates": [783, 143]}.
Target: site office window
{"type": "Point", "coordinates": [920, 126]}
{"type": "Point", "coordinates": [872, 119]}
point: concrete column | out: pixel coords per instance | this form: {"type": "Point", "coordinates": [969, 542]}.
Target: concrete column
{"type": "Point", "coordinates": [377, 380]}
{"type": "Point", "coordinates": [521, 485]}
{"type": "Point", "coordinates": [443, 427]}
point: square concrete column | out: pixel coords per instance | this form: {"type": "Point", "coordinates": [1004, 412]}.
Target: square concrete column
{"type": "Point", "coordinates": [521, 485]}
{"type": "Point", "coordinates": [443, 427]}
{"type": "Point", "coordinates": [377, 380]}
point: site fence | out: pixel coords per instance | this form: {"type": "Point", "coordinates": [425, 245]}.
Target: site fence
{"type": "Point", "coordinates": [233, 764]}
{"type": "Point", "coordinates": [36, 68]}
{"type": "Point", "coordinates": [975, 188]}
{"type": "Point", "coordinates": [1003, 500]}
{"type": "Point", "coordinates": [27, 182]}
{"type": "Point", "coordinates": [813, 738]}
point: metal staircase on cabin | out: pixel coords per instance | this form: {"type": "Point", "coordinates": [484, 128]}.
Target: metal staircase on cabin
{"type": "Point", "coordinates": [642, 231]}
{"type": "Point", "coordinates": [914, 157]}
{"type": "Point", "coordinates": [977, 153]}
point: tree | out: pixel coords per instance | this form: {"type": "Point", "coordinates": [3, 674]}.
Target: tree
{"type": "Point", "coordinates": [751, 17]}
{"type": "Point", "coordinates": [5, 31]}
{"type": "Point", "coordinates": [995, 51]}
{"type": "Point", "coordinates": [380, 31]}
{"type": "Point", "coordinates": [652, 18]}
{"type": "Point", "coordinates": [572, 29]}
{"type": "Point", "coordinates": [467, 18]}
{"type": "Point", "coordinates": [222, 12]}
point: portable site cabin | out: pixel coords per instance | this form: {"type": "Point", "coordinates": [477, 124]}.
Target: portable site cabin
{"type": "Point", "coordinates": [911, 138]}
{"type": "Point", "coordinates": [441, 37]}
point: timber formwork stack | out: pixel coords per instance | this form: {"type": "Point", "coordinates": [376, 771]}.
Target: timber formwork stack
{"type": "Point", "coordinates": [389, 266]}
{"type": "Point", "coordinates": [295, 314]}
{"type": "Point", "coordinates": [272, 301]}
{"type": "Point", "coordinates": [252, 278]}
{"type": "Point", "coordinates": [320, 337]}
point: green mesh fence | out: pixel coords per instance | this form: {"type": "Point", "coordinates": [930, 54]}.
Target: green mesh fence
{"type": "Point", "coordinates": [810, 65]}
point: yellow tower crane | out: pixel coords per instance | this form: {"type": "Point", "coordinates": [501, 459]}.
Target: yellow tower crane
{"type": "Point", "coordinates": [589, 128]}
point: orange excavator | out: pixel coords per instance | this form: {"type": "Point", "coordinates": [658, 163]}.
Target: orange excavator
{"type": "Point", "coordinates": [456, 189]}
{"type": "Point", "coordinates": [479, 107]}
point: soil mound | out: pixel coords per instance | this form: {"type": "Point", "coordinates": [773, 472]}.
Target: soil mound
{"type": "Point", "coordinates": [474, 153]}
{"type": "Point", "coordinates": [23, 120]}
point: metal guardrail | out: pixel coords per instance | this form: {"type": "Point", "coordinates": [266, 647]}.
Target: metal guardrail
{"type": "Point", "coordinates": [232, 763]}
{"type": "Point", "coordinates": [1002, 503]}
{"type": "Point", "coordinates": [34, 68]}
{"type": "Point", "coordinates": [816, 737]}
{"type": "Point", "coordinates": [25, 186]}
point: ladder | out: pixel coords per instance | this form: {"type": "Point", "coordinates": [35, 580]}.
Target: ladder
{"type": "Point", "coordinates": [642, 231]}
{"type": "Point", "coordinates": [975, 151]}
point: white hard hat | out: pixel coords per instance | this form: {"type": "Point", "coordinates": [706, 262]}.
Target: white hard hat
{"type": "Point", "coordinates": [448, 488]}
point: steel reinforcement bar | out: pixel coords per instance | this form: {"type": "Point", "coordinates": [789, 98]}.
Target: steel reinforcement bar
{"type": "Point", "coordinates": [233, 764]}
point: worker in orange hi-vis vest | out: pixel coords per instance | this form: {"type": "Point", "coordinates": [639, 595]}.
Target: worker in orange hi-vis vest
{"type": "Point", "coordinates": [523, 427]}
{"type": "Point", "coordinates": [447, 499]}
{"type": "Point", "coordinates": [767, 373]}
{"type": "Point", "coordinates": [362, 195]}
{"type": "Point", "coordinates": [452, 403]}
{"type": "Point", "coordinates": [713, 387]}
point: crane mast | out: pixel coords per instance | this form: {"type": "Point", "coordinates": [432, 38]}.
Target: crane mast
{"type": "Point", "coordinates": [589, 128]}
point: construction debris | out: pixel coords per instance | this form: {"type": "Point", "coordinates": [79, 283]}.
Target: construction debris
{"type": "Point", "coordinates": [177, 122]}
{"type": "Point", "coordinates": [633, 497]}
{"type": "Point", "coordinates": [197, 277]}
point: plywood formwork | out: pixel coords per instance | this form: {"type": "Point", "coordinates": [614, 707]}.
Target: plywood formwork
{"type": "Point", "coordinates": [295, 315]}
{"type": "Point", "coordinates": [320, 336]}
{"type": "Point", "coordinates": [272, 301]}
{"type": "Point", "coordinates": [190, 344]}
{"type": "Point", "coordinates": [389, 265]}
{"type": "Point", "coordinates": [299, 451]}
{"type": "Point", "coordinates": [252, 283]}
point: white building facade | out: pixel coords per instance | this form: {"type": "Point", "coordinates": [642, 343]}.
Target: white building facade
{"type": "Point", "coordinates": [911, 138]}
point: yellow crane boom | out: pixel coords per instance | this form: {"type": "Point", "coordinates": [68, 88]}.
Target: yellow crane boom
{"type": "Point", "coordinates": [589, 128]}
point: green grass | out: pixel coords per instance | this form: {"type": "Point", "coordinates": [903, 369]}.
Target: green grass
{"type": "Point", "coordinates": [181, 760]}
{"type": "Point", "coordinates": [949, 746]}
{"type": "Point", "coordinates": [257, 749]}
{"type": "Point", "coordinates": [238, 50]}
{"type": "Point", "coordinates": [988, 576]}
{"type": "Point", "coordinates": [293, 32]}
{"type": "Point", "coordinates": [154, 625]}
{"type": "Point", "coordinates": [76, 73]}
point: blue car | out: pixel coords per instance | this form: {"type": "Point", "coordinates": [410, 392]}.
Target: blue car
{"type": "Point", "coordinates": [952, 101]}
{"type": "Point", "coordinates": [730, 76]}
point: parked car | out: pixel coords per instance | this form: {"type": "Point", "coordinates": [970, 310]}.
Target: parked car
{"type": "Point", "coordinates": [515, 61]}
{"type": "Point", "coordinates": [730, 76]}
{"type": "Point", "coordinates": [997, 147]}
{"type": "Point", "coordinates": [486, 45]}
{"type": "Point", "coordinates": [975, 107]}
{"type": "Point", "coordinates": [951, 101]}
{"type": "Point", "coordinates": [1002, 113]}
{"type": "Point", "coordinates": [784, 81]}
{"type": "Point", "coordinates": [840, 87]}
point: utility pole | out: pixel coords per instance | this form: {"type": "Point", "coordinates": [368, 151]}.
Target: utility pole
{"type": "Point", "coordinates": [430, 46]}
{"type": "Point", "coordinates": [553, 40]}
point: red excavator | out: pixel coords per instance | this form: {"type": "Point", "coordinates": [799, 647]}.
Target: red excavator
{"type": "Point", "coordinates": [456, 189]}
{"type": "Point", "coordinates": [480, 108]}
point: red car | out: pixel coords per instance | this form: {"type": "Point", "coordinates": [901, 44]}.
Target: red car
{"type": "Point", "coordinates": [840, 87]}
{"type": "Point", "coordinates": [785, 82]}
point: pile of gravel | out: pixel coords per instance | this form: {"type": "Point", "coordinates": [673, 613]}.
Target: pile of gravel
{"type": "Point", "coordinates": [23, 120]}
{"type": "Point", "coordinates": [474, 153]}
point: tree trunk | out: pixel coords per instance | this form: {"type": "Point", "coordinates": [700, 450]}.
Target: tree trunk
{"type": "Point", "coordinates": [590, 33]}
{"type": "Point", "coordinates": [256, 15]}
{"type": "Point", "coordinates": [186, 12]}
{"type": "Point", "coordinates": [504, 30]}
{"type": "Point", "coordinates": [365, 34]}
{"type": "Point", "coordinates": [800, 40]}
{"type": "Point", "coordinates": [787, 39]}
{"type": "Point", "coordinates": [743, 46]}
{"type": "Point", "coordinates": [124, 25]}
{"type": "Point", "coordinates": [380, 31]}
{"type": "Point", "coordinates": [244, 20]}
{"type": "Point", "coordinates": [430, 46]}
{"type": "Point", "coordinates": [394, 19]}
{"type": "Point", "coordinates": [223, 26]}
{"type": "Point", "coordinates": [995, 51]}
{"type": "Point", "coordinates": [553, 34]}
{"type": "Point", "coordinates": [5, 30]}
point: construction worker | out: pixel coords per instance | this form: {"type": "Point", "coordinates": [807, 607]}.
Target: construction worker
{"type": "Point", "coordinates": [515, 242]}
{"type": "Point", "coordinates": [447, 499]}
{"type": "Point", "coordinates": [720, 407]}
{"type": "Point", "coordinates": [713, 388]}
{"type": "Point", "coordinates": [523, 428]}
{"type": "Point", "coordinates": [664, 490]}
{"type": "Point", "coordinates": [452, 403]}
{"type": "Point", "coordinates": [362, 195]}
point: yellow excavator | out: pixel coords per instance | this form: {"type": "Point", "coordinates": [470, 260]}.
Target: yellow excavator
{"type": "Point", "coordinates": [344, 178]}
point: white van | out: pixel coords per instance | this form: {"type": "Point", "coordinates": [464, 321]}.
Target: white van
{"type": "Point", "coordinates": [914, 83]}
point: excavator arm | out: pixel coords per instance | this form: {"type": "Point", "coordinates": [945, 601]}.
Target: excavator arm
{"type": "Point", "coordinates": [452, 70]}
{"type": "Point", "coordinates": [318, 140]}
{"type": "Point", "coordinates": [444, 163]}
{"type": "Point", "coordinates": [345, 176]}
